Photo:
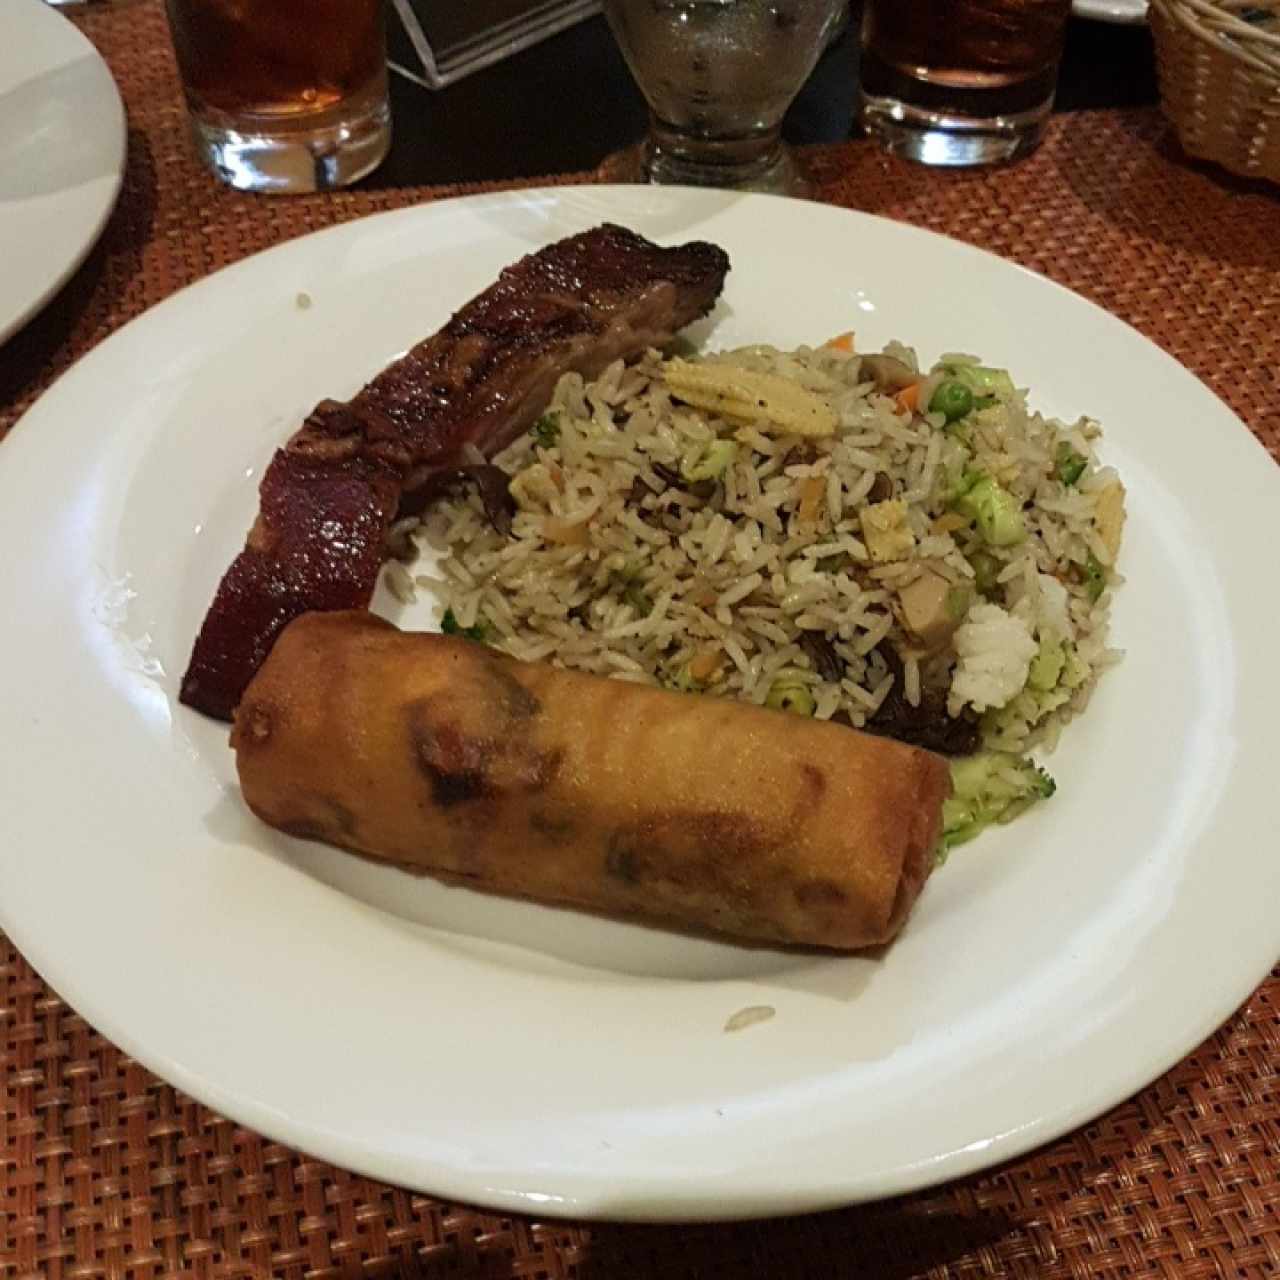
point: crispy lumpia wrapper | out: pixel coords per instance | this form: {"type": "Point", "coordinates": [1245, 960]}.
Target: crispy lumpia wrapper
{"type": "Point", "coordinates": [521, 778]}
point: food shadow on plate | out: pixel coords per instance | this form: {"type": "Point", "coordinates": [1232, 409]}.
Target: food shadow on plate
{"type": "Point", "coordinates": [468, 920]}
{"type": "Point", "coordinates": [539, 937]}
{"type": "Point", "coordinates": [54, 135]}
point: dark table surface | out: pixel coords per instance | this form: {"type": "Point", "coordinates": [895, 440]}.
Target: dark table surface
{"type": "Point", "coordinates": [565, 104]}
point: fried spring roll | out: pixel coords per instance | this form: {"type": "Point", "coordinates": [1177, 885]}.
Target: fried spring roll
{"type": "Point", "coordinates": [521, 778]}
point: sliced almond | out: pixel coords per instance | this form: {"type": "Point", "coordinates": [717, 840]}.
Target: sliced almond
{"type": "Point", "coordinates": [566, 532]}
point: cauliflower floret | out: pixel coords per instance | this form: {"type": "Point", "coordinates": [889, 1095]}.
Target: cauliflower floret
{"type": "Point", "coordinates": [1046, 609]}
{"type": "Point", "coordinates": [995, 651]}
{"type": "Point", "coordinates": [534, 489]}
{"type": "Point", "coordinates": [1053, 616]}
{"type": "Point", "coordinates": [886, 531]}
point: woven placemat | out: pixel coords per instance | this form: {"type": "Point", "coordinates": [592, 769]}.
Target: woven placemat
{"type": "Point", "coordinates": [110, 1173]}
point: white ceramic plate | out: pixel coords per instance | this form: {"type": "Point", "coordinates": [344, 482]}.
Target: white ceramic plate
{"type": "Point", "coordinates": [549, 1062]}
{"type": "Point", "coordinates": [62, 140]}
{"type": "Point", "coordinates": [1124, 12]}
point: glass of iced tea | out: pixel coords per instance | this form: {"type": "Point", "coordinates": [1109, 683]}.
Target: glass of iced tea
{"type": "Point", "coordinates": [718, 76]}
{"type": "Point", "coordinates": [285, 95]}
{"type": "Point", "coordinates": [960, 82]}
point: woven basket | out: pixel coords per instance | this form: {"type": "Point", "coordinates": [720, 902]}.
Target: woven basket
{"type": "Point", "coordinates": [1219, 67]}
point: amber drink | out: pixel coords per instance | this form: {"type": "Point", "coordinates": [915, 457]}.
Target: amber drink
{"type": "Point", "coordinates": [956, 82]}
{"type": "Point", "coordinates": [285, 95]}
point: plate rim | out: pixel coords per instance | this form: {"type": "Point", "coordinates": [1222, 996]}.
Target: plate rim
{"type": "Point", "coordinates": [737, 1204]}
{"type": "Point", "coordinates": [94, 227]}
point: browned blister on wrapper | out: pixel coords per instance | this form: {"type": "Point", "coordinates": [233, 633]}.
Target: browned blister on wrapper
{"type": "Point", "coordinates": [521, 778]}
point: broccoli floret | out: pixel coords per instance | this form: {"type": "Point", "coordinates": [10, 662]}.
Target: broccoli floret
{"type": "Point", "coordinates": [1095, 578]}
{"type": "Point", "coordinates": [711, 465]}
{"type": "Point", "coordinates": [995, 510]}
{"type": "Point", "coordinates": [993, 786]}
{"type": "Point", "coordinates": [636, 596]}
{"type": "Point", "coordinates": [986, 572]}
{"type": "Point", "coordinates": [546, 431]}
{"type": "Point", "coordinates": [984, 382]}
{"type": "Point", "coordinates": [1068, 464]}
{"type": "Point", "coordinates": [1074, 671]}
{"type": "Point", "coordinates": [1029, 707]}
{"type": "Point", "coordinates": [627, 582]}
{"type": "Point", "coordinates": [449, 627]}
{"type": "Point", "coordinates": [1047, 665]}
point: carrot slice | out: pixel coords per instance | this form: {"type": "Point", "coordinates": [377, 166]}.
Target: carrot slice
{"type": "Point", "coordinates": [841, 342]}
{"type": "Point", "coordinates": [812, 491]}
{"type": "Point", "coordinates": [908, 399]}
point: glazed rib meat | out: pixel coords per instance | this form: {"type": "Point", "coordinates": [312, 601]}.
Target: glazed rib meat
{"type": "Point", "coordinates": [329, 495]}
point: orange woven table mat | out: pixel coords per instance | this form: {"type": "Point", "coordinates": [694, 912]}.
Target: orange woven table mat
{"type": "Point", "coordinates": [110, 1173]}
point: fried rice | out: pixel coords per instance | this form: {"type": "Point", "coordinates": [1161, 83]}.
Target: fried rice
{"type": "Point", "coordinates": [937, 566]}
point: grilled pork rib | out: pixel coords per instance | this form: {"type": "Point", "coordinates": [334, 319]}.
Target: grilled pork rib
{"type": "Point", "coordinates": [330, 493]}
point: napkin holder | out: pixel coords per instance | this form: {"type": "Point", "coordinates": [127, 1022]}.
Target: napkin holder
{"type": "Point", "coordinates": [449, 41]}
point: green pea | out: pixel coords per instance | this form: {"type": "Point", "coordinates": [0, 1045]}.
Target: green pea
{"type": "Point", "coordinates": [790, 695]}
{"type": "Point", "coordinates": [952, 399]}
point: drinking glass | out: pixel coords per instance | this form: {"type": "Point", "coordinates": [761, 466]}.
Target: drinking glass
{"type": "Point", "coordinates": [959, 82]}
{"type": "Point", "coordinates": [718, 76]}
{"type": "Point", "coordinates": [285, 95]}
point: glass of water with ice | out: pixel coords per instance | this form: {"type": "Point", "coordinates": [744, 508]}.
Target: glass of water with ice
{"type": "Point", "coordinates": [718, 76]}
